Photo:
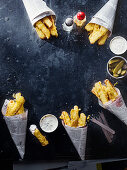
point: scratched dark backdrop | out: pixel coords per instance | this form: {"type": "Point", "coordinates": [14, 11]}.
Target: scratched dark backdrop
{"type": "Point", "coordinates": [54, 75]}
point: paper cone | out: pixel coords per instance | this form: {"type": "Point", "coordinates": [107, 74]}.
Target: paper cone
{"type": "Point", "coordinates": [78, 137]}
{"type": "Point", "coordinates": [118, 107]}
{"type": "Point", "coordinates": [17, 128]}
{"type": "Point", "coordinates": [106, 15]}
{"type": "Point", "coordinates": [37, 9]}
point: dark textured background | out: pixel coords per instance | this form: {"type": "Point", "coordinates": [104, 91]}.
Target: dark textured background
{"type": "Point", "coordinates": [54, 75]}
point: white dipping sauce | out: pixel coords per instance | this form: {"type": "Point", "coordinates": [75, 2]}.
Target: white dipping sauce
{"type": "Point", "coordinates": [48, 123]}
{"type": "Point", "coordinates": [118, 45]}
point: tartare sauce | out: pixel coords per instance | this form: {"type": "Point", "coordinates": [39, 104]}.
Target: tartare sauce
{"type": "Point", "coordinates": [118, 45]}
{"type": "Point", "coordinates": [48, 123]}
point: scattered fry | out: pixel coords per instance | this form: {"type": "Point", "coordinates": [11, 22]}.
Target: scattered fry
{"type": "Point", "coordinates": [42, 139]}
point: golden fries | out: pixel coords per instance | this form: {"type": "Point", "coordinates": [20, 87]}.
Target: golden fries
{"type": "Point", "coordinates": [40, 33]}
{"type": "Point", "coordinates": [105, 92]}
{"type": "Point", "coordinates": [53, 30]}
{"type": "Point", "coordinates": [74, 120]}
{"type": "Point", "coordinates": [15, 106]}
{"type": "Point", "coordinates": [47, 22]}
{"type": "Point", "coordinates": [111, 90]}
{"type": "Point", "coordinates": [66, 118]}
{"type": "Point", "coordinates": [74, 113]}
{"type": "Point", "coordinates": [42, 139]}
{"type": "Point", "coordinates": [89, 27]}
{"type": "Point", "coordinates": [46, 27]}
{"type": "Point", "coordinates": [82, 120]}
{"type": "Point", "coordinates": [103, 39]}
{"type": "Point", "coordinates": [43, 29]}
{"type": "Point", "coordinates": [21, 110]}
{"type": "Point", "coordinates": [97, 33]}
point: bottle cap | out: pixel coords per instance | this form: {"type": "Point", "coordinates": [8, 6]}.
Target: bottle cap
{"type": "Point", "coordinates": [69, 21]}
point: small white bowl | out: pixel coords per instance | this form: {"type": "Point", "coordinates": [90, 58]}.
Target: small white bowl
{"type": "Point", "coordinates": [48, 123]}
{"type": "Point", "coordinates": [108, 67]}
{"type": "Point", "coordinates": [118, 45]}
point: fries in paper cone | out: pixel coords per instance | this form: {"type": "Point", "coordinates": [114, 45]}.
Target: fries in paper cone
{"type": "Point", "coordinates": [16, 119]}
{"type": "Point", "coordinates": [41, 17]}
{"type": "Point", "coordinates": [111, 99]}
{"type": "Point", "coordinates": [76, 127]}
{"type": "Point", "coordinates": [101, 25]}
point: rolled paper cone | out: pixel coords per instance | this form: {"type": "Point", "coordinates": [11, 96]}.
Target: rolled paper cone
{"type": "Point", "coordinates": [106, 15]}
{"type": "Point", "coordinates": [78, 137]}
{"type": "Point", "coordinates": [37, 9]}
{"type": "Point", "coordinates": [17, 127]}
{"type": "Point", "coordinates": [118, 107]}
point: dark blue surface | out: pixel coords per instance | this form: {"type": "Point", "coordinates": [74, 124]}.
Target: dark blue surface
{"type": "Point", "coordinates": [56, 74]}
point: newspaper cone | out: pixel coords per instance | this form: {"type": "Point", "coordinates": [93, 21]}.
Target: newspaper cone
{"type": "Point", "coordinates": [106, 15]}
{"type": "Point", "coordinates": [37, 9]}
{"type": "Point", "coordinates": [118, 107]}
{"type": "Point", "coordinates": [17, 127]}
{"type": "Point", "coordinates": [78, 137]}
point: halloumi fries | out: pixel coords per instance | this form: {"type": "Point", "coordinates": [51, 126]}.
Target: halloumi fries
{"type": "Point", "coordinates": [46, 27]}
{"type": "Point", "coordinates": [103, 39]}
{"type": "Point", "coordinates": [66, 118]}
{"type": "Point", "coordinates": [105, 92]}
{"type": "Point", "coordinates": [97, 33]}
{"type": "Point", "coordinates": [74, 120]}
{"type": "Point", "coordinates": [35, 131]}
{"type": "Point", "coordinates": [89, 27]}
{"type": "Point", "coordinates": [42, 139]}
{"type": "Point", "coordinates": [47, 22]}
{"type": "Point", "coordinates": [40, 33]}
{"type": "Point", "coordinates": [15, 106]}
{"type": "Point", "coordinates": [82, 120]}
{"type": "Point", "coordinates": [53, 29]}
{"type": "Point", "coordinates": [74, 113]}
{"type": "Point", "coordinates": [43, 29]}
